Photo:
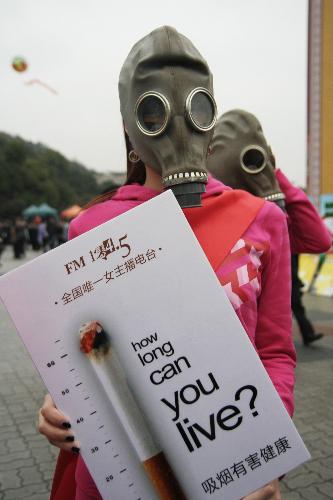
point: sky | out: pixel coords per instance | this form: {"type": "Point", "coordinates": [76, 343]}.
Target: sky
{"type": "Point", "coordinates": [256, 49]}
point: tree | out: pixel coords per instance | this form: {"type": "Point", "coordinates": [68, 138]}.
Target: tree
{"type": "Point", "coordinates": [33, 174]}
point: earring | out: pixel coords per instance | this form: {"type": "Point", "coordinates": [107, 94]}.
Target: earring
{"type": "Point", "coordinates": [133, 156]}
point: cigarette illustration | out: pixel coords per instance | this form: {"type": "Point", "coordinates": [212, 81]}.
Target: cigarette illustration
{"type": "Point", "coordinates": [96, 344]}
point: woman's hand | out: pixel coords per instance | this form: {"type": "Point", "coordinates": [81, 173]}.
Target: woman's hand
{"type": "Point", "coordinates": [269, 492]}
{"type": "Point", "coordinates": [56, 427]}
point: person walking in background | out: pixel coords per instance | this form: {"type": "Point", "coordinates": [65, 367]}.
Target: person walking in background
{"type": "Point", "coordinates": [53, 232]}
{"type": "Point", "coordinates": [2, 239]}
{"type": "Point", "coordinates": [43, 236]}
{"type": "Point", "coordinates": [65, 228]}
{"type": "Point", "coordinates": [61, 231]}
{"type": "Point", "coordinates": [241, 158]}
{"type": "Point", "coordinates": [19, 237]}
{"type": "Point", "coordinates": [33, 232]}
{"type": "Point", "coordinates": [305, 326]}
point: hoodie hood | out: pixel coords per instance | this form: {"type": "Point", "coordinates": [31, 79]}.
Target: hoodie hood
{"type": "Point", "coordinates": [136, 192]}
{"type": "Point", "coordinates": [127, 197]}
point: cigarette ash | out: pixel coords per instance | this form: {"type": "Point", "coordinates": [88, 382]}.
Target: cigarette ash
{"type": "Point", "coordinates": [94, 341]}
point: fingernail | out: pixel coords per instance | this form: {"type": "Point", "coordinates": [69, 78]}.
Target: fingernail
{"type": "Point", "coordinates": [69, 438]}
{"type": "Point", "coordinates": [66, 425]}
{"type": "Point", "coordinates": [75, 450]}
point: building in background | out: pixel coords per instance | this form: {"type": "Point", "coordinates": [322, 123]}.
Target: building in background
{"type": "Point", "coordinates": [320, 104]}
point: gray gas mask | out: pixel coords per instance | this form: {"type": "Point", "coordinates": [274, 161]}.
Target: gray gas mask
{"type": "Point", "coordinates": [168, 108]}
{"type": "Point", "coordinates": [241, 158]}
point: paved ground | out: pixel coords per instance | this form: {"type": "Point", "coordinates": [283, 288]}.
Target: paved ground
{"type": "Point", "coordinates": [27, 461]}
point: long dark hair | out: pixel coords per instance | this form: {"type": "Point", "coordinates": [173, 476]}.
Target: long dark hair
{"type": "Point", "coordinates": [136, 173]}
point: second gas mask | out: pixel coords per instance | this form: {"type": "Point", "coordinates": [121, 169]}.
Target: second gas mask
{"type": "Point", "coordinates": [241, 158]}
{"type": "Point", "coordinates": [168, 108]}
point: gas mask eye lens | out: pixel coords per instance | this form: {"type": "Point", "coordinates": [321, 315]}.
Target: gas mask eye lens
{"type": "Point", "coordinates": [152, 112]}
{"type": "Point", "coordinates": [253, 159]}
{"type": "Point", "coordinates": [201, 109]}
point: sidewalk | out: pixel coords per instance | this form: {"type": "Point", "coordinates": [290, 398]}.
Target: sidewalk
{"type": "Point", "coordinates": [27, 460]}
{"type": "Point", "coordinates": [314, 408]}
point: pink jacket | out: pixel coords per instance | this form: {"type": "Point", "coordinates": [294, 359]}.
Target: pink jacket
{"type": "Point", "coordinates": [307, 231]}
{"type": "Point", "coordinates": [255, 276]}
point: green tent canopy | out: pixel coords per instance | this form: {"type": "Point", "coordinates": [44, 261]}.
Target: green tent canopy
{"type": "Point", "coordinates": [30, 211]}
{"type": "Point", "coordinates": [44, 210]}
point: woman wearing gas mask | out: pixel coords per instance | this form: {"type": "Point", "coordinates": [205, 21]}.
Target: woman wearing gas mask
{"type": "Point", "coordinates": [241, 157]}
{"type": "Point", "coordinates": [169, 112]}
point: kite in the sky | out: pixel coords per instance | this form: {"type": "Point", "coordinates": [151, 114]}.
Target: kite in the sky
{"type": "Point", "coordinates": [47, 87]}
{"type": "Point", "coordinates": [20, 65]}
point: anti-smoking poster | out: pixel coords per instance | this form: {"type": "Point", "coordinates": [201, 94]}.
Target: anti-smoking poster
{"type": "Point", "coordinates": [137, 342]}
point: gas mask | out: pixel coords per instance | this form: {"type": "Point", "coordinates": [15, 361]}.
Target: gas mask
{"type": "Point", "coordinates": [241, 158]}
{"type": "Point", "coordinates": [168, 108]}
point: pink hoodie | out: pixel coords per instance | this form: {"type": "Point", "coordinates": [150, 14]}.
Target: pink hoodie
{"type": "Point", "coordinates": [255, 276]}
{"type": "Point", "coordinates": [307, 231]}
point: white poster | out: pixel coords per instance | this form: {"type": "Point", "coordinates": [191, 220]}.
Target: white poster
{"type": "Point", "coordinates": [130, 312]}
